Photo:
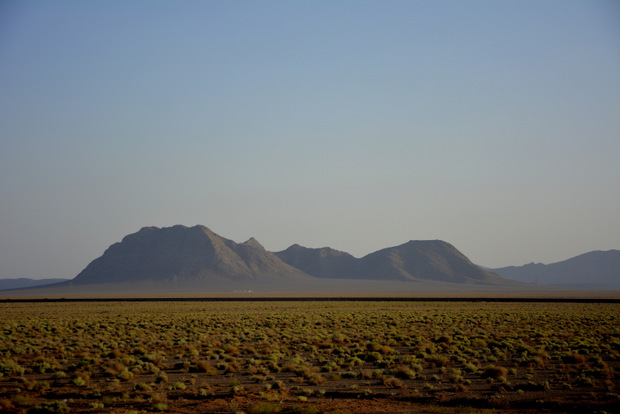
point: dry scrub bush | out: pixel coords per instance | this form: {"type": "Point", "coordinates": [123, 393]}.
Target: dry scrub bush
{"type": "Point", "coordinates": [393, 382]}
{"type": "Point", "coordinates": [573, 358]}
{"type": "Point", "coordinates": [493, 371]}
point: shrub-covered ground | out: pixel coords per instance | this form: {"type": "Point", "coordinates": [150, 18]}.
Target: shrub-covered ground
{"type": "Point", "coordinates": [309, 357]}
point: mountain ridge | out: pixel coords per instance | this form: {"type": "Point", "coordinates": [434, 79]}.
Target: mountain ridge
{"type": "Point", "coordinates": [595, 269]}
{"type": "Point", "coordinates": [414, 260]}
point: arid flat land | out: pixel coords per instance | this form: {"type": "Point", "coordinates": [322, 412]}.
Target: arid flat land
{"type": "Point", "coordinates": [309, 357]}
{"type": "Point", "coordinates": [465, 292]}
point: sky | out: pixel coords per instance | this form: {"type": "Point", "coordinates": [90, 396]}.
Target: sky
{"type": "Point", "coordinates": [357, 125]}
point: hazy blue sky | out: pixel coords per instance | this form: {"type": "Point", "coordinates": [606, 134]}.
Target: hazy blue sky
{"type": "Point", "coordinates": [359, 125]}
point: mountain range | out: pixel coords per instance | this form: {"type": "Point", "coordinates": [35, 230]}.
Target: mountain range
{"type": "Point", "coordinates": [413, 261]}
{"type": "Point", "coordinates": [195, 259]}
{"type": "Point", "coordinates": [593, 270]}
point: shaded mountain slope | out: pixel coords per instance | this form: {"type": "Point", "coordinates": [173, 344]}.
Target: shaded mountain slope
{"type": "Point", "coordinates": [593, 269]}
{"type": "Point", "coordinates": [182, 253]}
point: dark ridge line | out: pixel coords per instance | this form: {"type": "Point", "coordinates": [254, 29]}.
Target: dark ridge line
{"type": "Point", "coordinates": [316, 299]}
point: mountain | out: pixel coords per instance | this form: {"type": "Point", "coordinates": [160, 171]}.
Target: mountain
{"type": "Point", "coordinates": [595, 269]}
{"type": "Point", "coordinates": [425, 259]}
{"type": "Point", "coordinates": [324, 262]}
{"type": "Point", "coordinates": [418, 260]}
{"type": "Point", "coordinates": [180, 254]}
{"type": "Point", "coordinates": [25, 282]}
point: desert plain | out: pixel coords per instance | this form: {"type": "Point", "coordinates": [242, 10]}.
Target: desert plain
{"type": "Point", "coordinates": [326, 356]}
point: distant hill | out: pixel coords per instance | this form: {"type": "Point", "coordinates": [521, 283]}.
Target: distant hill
{"type": "Point", "coordinates": [597, 269]}
{"type": "Point", "coordinates": [323, 262]}
{"type": "Point", "coordinates": [418, 260]}
{"type": "Point", "coordinates": [25, 282]}
{"type": "Point", "coordinates": [425, 259]}
{"type": "Point", "coordinates": [181, 254]}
